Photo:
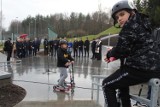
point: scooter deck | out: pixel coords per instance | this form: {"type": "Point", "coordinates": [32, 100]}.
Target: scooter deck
{"type": "Point", "coordinates": [55, 88]}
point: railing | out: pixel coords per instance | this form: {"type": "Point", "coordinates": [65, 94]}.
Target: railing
{"type": "Point", "coordinates": [3, 65]}
{"type": "Point", "coordinates": [154, 83]}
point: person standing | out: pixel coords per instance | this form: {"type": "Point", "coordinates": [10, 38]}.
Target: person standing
{"type": "Point", "coordinates": [45, 44]}
{"type": "Point", "coordinates": [56, 45]}
{"type": "Point", "coordinates": [8, 48]}
{"type": "Point", "coordinates": [80, 45]}
{"type": "Point", "coordinates": [51, 45]}
{"type": "Point", "coordinates": [27, 47]}
{"type": "Point", "coordinates": [19, 47]}
{"type": "Point", "coordinates": [70, 46]}
{"type": "Point", "coordinates": [93, 47]}
{"type": "Point", "coordinates": [24, 46]}
{"type": "Point", "coordinates": [30, 43]}
{"type": "Point", "coordinates": [75, 48]}
{"type": "Point", "coordinates": [86, 47]}
{"type": "Point", "coordinates": [34, 47]}
{"type": "Point", "coordinates": [98, 49]}
{"type": "Point", "coordinates": [38, 44]}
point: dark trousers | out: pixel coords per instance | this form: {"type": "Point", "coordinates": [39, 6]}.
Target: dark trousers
{"type": "Point", "coordinates": [9, 53]}
{"type": "Point", "coordinates": [55, 51]}
{"type": "Point", "coordinates": [19, 53]}
{"type": "Point", "coordinates": [75, 53]}
{"type": "Point", "coordinates": [34, 52]}
{"type": "Point", "coordinates": [122, 79]}
{"type": "Point", "coordinates": [93, 52]}
{"type": "Point", "coordinates": [98, 56]}
{"type": "Point", "coordinates": [46, 51]}
{"type": "Point", "coordinates": [51, 51]}
{"type": "Point", "coordinates": [86, 51]}
{"type": "Point", "coordinates": [80, 52]}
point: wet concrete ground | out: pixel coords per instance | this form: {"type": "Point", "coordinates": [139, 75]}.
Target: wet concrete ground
{"type": "Point", "coordinates": [34, 77]}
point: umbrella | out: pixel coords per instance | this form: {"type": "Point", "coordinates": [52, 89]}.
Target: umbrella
{"type": "Point", "coordinates": [23, 35]}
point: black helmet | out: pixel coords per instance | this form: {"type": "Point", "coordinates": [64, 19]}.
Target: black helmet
{"type": "Point", "coordinates": [62, 42]}
{"type": "Point", "coordinates": [124, 4]}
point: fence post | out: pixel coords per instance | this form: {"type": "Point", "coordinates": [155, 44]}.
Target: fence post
{"type": "Point", "coordinates": [155, 83]}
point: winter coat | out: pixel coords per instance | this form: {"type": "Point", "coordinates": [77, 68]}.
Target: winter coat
{"type": "Point", "coordinates": [86, 44]}
{"type": "Point", "coordinates": [93, 46]}
{"type": "Point", "coordinates": [135, 44]}
{"type": "Point", "coordinates": [80, 44]}
{"type": "Point", "coordinates": [63, 57]}
{"type": "Point", "coordinates": [8, 46]}
{"type": "Point", "coordinates": [75, 45]}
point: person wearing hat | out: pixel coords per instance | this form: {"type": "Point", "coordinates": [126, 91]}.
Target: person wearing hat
{"type": "Point", "coordinates": [139, 60]}
{"type": "Point", "coordinates": [8, 48]}
{"type": "Point", "coordinates": [64, 61]}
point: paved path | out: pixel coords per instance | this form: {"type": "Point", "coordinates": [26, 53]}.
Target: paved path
{"type": "Point", "coordinates": [34, 77]}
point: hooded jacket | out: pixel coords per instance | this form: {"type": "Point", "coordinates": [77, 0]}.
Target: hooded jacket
{"type": "Point", "coordinates": [136, 45]}
{"type": "Point", "coordinates": [63, 57]}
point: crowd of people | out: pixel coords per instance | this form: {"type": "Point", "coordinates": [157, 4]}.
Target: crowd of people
{"type": "Point", "coordinates": [24, 47]}
{"type": "Point", "coordinates": [21, 48]}
{"type": "Point", "coordinates": [78, 48]}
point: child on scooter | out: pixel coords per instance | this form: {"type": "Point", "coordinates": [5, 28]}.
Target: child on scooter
{"type": "Point", "coordinates": [64, 61]}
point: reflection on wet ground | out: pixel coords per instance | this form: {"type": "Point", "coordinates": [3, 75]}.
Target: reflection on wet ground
{"type": "Point", "coordinates": [34, 77]}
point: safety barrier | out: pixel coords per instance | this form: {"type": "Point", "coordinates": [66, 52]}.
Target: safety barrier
{"type": "Point", "coordinates": [154, 83]}
{"type": "Point", "coordinates": [5, 64]}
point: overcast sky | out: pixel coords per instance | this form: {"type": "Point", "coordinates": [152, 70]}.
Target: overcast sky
{"type": "Point", "coordinates": [23, 8]}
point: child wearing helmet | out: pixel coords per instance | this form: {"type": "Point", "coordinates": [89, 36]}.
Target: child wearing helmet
{"type": "Point", "coordinates": [139, 61]}
{"type": "Point", "coordinates": [64, 61]}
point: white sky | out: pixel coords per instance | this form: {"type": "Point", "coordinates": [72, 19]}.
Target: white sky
{"type": "Point", "coordinates": [23, 8]}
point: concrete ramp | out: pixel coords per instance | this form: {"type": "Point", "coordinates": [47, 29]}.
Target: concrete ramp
{"type": "Point", "coordinates": [75, 103]}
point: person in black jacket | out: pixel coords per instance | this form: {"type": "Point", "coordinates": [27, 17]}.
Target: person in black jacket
{"type": "Point", "coordinates": [136, 46]}
{"type": "Point", "coordinates": [93, 47]}
{"type": "Point", "coordinates": [30, 47]}
{"type": "Point", "coordinates": [45, 44]}
{"type": "Point", "coordinates": [8, 48]}
{"type": "Point", "coordinates": [80, 46]}
{"type": "Point", "coordinates": [51, 44]}
{"type": "Point", "coordinates": [75, 48]}
{"type": "Point", "coordinates": [86, 47]}
{"type": "Point", "coordinates": [64, 61]}
{"type": "Point", "coordinates": [34, 46]}
{"type": "Point", "coordinates": [98, 49]}
{"type": "Point", "coordinates": [56, 46]}
{"type": "Point", "coordinates": [19, 47]}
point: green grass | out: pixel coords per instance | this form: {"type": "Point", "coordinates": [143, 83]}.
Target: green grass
{"type": "Point", "coordinates": [111, 30]}
{"type": "Point", "coordinates": [90, 37]}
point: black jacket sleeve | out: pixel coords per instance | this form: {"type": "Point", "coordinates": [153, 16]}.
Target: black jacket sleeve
{"type": "Point", "coordinates": [125, 42]}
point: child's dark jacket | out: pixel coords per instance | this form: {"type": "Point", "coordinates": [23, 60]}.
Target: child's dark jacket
{"type": "Point", "coordinates": [135, 44]}
{"type": "Point", "coordinates": [63, 57]}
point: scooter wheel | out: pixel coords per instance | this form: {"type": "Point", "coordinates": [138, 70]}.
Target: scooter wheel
{"type": "Point", "coordinates": [54, 87]}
